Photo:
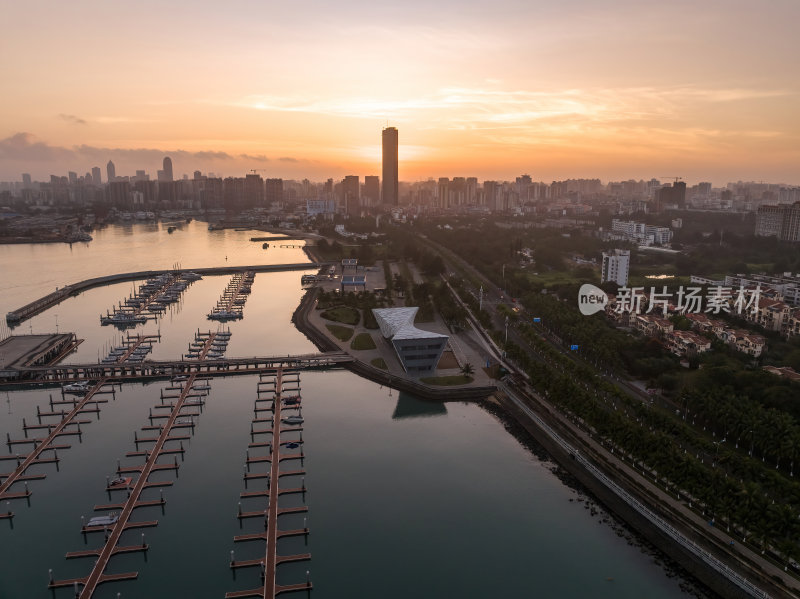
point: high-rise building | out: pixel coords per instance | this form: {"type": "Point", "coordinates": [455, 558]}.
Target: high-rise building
{"type": "Point", "coordinates": [253, 190]}
{"type": "Point", "coordinates": [679, 194]}
{"type": "Point", "coordinates": [274, 190]}
{"type": "Point", "coordinates": [111, 171]}
{"type": "Point", "coordinates": [443, 192]}
{"type": "Point", "coordinates": [372, 191]}
{"type": "Point", "coordinates": [73, 177]}
{"type": "Point", "coordinates": [167, 168]}
{"type": "Point", "coordinates": [351, 195]}
{"type": "Point", "coordinates": [26, 181]}
{"type": "Point", "coordinates": [616, 265]}
{"type": "Point", "coordinates": [779, 220]}
{"type": "Point", "coordinates": [390, 194]}
{"type": "Point", "coordinates": [490, 195]}
{"type": "Point", "coordinates": [96, 175]}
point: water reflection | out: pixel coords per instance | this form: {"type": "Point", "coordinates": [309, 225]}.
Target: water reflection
{"type": "Point", "coordinates": [409, 406]}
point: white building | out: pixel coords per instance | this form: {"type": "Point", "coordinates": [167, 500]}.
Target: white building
{"type": "Point", "coordinates": [642, 233]}
{"type": "Point", "coordinates": [616, 265]}
{"type": "Point", "coordinates": [419, 351]}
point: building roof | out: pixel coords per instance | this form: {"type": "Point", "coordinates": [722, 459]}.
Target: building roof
{"type": "Point", "coordinates": [398, 323]}
{"type": "Point", "coordinates": [354, 279]}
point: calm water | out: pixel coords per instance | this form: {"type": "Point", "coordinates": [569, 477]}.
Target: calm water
{"type": "Point", "coordinates": [406, 498]}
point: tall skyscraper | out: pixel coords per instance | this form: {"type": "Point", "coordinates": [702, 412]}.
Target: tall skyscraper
{"type": "Point", "coordinates": [96, 175]}
{"type": "Point", "coordinates": [390, 192]}
{"type": "Point", "coordinates": [167, 168]}
{"type": "Point", "coordinates": [111, 171]}
{"type": "Point", "coordinates": [26, 181]}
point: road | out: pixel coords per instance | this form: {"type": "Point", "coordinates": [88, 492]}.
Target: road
{"type": "Point", "coordinates": [492, 297]}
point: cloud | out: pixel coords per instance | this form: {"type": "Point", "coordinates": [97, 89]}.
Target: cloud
{"type": "Point", "coordinates": [288, 159]}
{"type": "Point", "coordinates": [256, 157]}
{"type": "Point", "coordinates": [24, 147]}
{"type": "Point", "coordinates": [71, 118]}
{"type": "Point", "coordinates": [493, 107]}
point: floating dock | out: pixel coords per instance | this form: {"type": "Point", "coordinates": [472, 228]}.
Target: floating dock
{"type": "Point", "coordinates": [184, 396]}
{"type": "Point", "coordinates": [19, 315]}
{"type": "Point", "coordinates": [41, 445]}
{"type": "Point", "coordinates": [273, 388]}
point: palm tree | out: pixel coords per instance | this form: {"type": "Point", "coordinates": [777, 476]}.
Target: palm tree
{"type": "Point", "coordinates": [467, 369]}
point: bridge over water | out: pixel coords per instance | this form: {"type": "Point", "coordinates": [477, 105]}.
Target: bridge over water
{"type": "Point", "coordinates": [65, 373]}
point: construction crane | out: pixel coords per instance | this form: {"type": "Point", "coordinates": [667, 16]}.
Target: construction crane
{"type": "Point", "coordinates": [256, 170]}
{"type": "Point", "coordinates": [671, 177]}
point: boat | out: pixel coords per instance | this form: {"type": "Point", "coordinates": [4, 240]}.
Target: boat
{"type": "Point", "coordinates": [291, 400]}
{"type": "Point", "coordinates": [122, 318]}
{"type": "Point", "coordinates": [120, 481]}
{"type": "Point", "coordinates": [76, 388]}
{"type": "Point", "coordinates": [225, 315]}
{"type": "Point", "coordinates": [191, 276]}
{"type": "Point", "coordinates": [201, 387]}
{"type": "Point", "coordinates": [103, 520]}
{"type": "Point", "coordinates": [293, 445]}
{"type": "Point", "coordinates": [179, 378]}
{"type": "Point", "coordinates": [188, 421]}
{"type": "Point", "coordinates": [292, 420]}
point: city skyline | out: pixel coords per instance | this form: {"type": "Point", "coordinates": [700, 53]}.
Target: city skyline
{"type": "Point", "coordinates": [626, 90]}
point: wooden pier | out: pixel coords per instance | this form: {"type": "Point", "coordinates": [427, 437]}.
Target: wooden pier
{"type": "Point", "coordinates": [85, 587]}
{"type": "Point", "coordinates": [231, 303]}
{"type": "Point", "coordinates": [79, 406]}
{"type": "Point", "coordinates": [274, 389]}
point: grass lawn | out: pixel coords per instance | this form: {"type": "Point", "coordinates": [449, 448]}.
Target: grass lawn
{"type": "Point", "coordinates": [341, 333]}
{"type": "Point", "coordinates": [554, 277]}
{"type": "Point", "coordinates": [379, 363]}
{"type": "Point", "coordinates": [455, 379]}
{"type": "Point", "coordinates": [342, 314]}
{"type": "Point", "coordinates": [363, 341]}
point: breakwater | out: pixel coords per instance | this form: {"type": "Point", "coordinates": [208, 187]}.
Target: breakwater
{"type": "Point", "coordinates": [19, 315]}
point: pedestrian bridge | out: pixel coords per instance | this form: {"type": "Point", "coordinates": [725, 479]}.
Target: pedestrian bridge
{"type": "Point", "coordinates": [168, 368]}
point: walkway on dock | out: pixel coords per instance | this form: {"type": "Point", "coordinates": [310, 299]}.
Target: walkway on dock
{"type": "Point", "coordinates": [271, 560]}
{"type": "Point", "coordinates": [45, 444]}
{"type": "Point", "coordinates": [230, 305]}
{"type": "Point", "coordinates": [51, 299]}
{"type": "Point", "coordinates": [134, 343]}
{"type": "Point", "coordinates": [134, 306]}
{"type": "Point", "coordinates": [188, 396]}
{"type": "Point", "coordinates": [167, 368]}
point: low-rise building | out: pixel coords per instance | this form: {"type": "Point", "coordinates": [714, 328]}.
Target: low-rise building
{"type": "Point", "coordinates": [418, 350]}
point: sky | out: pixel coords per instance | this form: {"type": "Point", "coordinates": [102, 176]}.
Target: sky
{"type": "Point", "coordinates": [620, 89]}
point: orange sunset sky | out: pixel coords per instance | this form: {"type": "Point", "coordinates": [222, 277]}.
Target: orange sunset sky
{"type": "Point", "coordinates": [708, 91]}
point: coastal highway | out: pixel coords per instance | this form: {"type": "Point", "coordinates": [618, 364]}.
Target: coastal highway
{"type": "Point", "coordinates": [736, 554]}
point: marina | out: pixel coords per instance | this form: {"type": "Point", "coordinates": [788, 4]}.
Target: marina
{"type": "Point", "coordinates": [149, 301]}
{"type": "Point", "coordinates": [230, 306]}
{"type": "Point", "coordinates": [389, 471]}
{"type": "Point", "coordinates": [271, 393]}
